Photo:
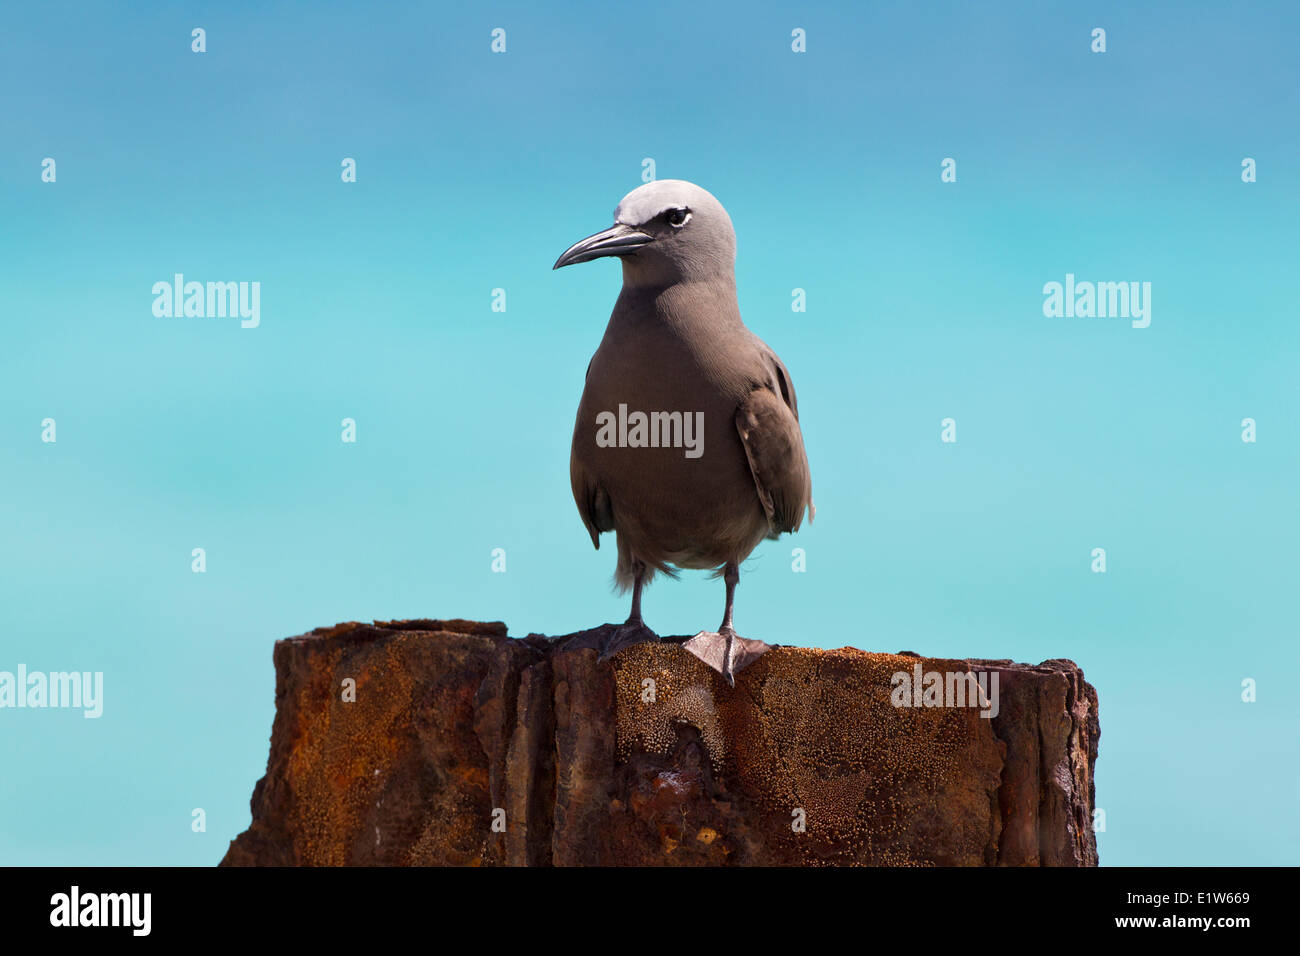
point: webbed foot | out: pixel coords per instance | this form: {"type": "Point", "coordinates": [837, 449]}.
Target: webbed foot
{"type": "Point", "coordinates": [609, 639]}
{"type": "Point", "coordinates": [726, 651]}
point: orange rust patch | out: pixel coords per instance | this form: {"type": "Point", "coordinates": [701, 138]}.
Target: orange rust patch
{"type": "Point", "coordinates": [814, 731]}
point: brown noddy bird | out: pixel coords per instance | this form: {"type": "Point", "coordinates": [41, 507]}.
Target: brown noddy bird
{"type": "Point", "coordinates": [687, 443]}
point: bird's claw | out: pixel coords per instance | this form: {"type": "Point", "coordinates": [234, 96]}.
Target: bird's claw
{"type": "Point", "coordinates": [609, 639]}
{"type": "Point", "coordinates": [726, 651]}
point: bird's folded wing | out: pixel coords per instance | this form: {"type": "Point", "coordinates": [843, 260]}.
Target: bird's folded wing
{"type": "Point", "coordinates": [769, 430]}
{"type": "Point", "coordinates": [593, 503]}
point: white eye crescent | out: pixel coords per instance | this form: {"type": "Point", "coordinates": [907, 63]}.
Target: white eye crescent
{"type": "Point", "coordinates": [677, 217]}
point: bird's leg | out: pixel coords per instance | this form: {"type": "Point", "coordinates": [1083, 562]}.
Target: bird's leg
{"type": "Point", "coordinates": [609, 639]}
{"type": "Point", "coordinates": [633, 630]}
{"type": "Point", "coordinates": [732, 577]}
{"type": "Point", "coordinates": [638, 575]}
{"type": "Point", "coordinates": [724, 650]}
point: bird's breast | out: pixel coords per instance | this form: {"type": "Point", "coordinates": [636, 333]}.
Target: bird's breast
{"type": "Point", "coordinates": [656, 429]}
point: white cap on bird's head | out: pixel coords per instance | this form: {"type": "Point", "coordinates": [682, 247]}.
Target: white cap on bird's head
{"type": "Point", "coordinates": [665, 232]}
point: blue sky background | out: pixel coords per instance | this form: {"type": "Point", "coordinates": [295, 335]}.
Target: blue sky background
{"type": "Point", "coordinates": [474, 172]}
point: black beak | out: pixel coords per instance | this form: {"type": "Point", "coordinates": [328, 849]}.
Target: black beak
{"type": "Point", "coordinates": [619, 240]}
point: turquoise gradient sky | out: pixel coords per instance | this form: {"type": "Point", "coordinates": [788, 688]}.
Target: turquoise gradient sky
{"type": "Point", "coordinates": [475, 171]}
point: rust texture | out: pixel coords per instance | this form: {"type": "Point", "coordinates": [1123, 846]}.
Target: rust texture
{"type": "Point", "coordinates": [462, 746]}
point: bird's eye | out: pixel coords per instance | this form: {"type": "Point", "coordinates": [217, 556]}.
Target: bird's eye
{"type": "Point", "coordinates": [677, 217]}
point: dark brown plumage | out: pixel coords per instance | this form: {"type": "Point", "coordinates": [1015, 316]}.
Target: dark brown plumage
{"type": "Point", "coordinates": [675, 343]}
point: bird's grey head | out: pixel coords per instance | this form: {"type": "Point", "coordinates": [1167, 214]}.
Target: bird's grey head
{"type": "Point", "coordinates": [665, 232]}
